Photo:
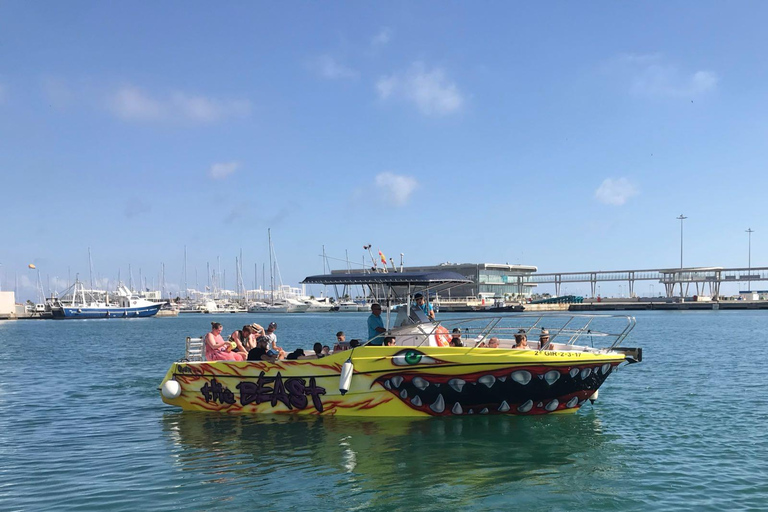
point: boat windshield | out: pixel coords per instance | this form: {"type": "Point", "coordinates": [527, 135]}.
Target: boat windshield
{"type": "Point", "coordinates": [532, 331]}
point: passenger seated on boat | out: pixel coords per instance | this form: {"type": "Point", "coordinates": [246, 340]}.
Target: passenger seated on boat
{"type": "Point", "coordinates": [318, 348]}
{"type": "Point", "coordinates": [299, 352]}
{"type": "Point", "coordinates": [341, 347]}
{"type": "Point", "coordinates": [216, 349]}
{"type": "Point", "coordinates": [241, 338]}
{"type": "Point", "coordinates": [521, 340]}
{"type": "Point", "coordinates": [544, 340]}
{"type": "Point", "coordinates": [456, 338]}
{"type": "Point", "coordinates": [260, 353]}
{"type": "Point", "coordinates": [257, 331]}
{"type": "Point", "coordinates": [326, 351]}
{"type": "Point", "coordinates": [354, 343]}
{"type": "Point", "coordinates": [493, 343]}
{"type": "Point", "coordinates": [389, 341]}
{"type": "Point", "coordinates": [272, 337]}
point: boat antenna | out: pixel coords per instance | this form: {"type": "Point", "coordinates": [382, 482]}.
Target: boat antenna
{"type": "Point", "coordinates": [370, 252]}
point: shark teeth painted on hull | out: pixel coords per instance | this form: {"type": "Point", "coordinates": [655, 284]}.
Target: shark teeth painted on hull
{"type": "Point", "coordinates": [525, 407]}
{"type": "Point", "coordinates": [439, 405]}
{"type": "Point", "coordinates": [457, 384]}
{"type": "Point", "coordinates": [487, 380]}
{"type": "Point", "coordinates": [420, 383]}
{"type": "Point", "coordinates": [521, 377]}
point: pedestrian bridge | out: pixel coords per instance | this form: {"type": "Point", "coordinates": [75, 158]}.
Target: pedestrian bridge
{"type": "Point", "coordinates": [703, 278]}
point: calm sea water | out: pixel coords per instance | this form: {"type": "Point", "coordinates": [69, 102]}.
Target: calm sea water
{"type": "Point", "coordinates": [82, 427]}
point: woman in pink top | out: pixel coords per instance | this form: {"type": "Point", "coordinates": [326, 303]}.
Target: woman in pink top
{"type": "Point", "coordinates": [216, 349]}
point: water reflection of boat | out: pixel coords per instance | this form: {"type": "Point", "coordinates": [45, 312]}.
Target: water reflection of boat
{"type": "Point", "coordinates": [421, 375]}
{"type": "Point", "coordinates": [383, 453]}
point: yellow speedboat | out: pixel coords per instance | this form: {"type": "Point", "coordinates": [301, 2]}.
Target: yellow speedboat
{"type": "Point", "coordinates": [419, 376]}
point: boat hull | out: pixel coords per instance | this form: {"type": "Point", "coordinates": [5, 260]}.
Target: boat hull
{"type": "Point", "coordinates": [106, 312]}
{"type": "Point", "coordinates": [397, 381]}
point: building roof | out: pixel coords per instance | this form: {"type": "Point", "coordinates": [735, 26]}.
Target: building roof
{"type": "Point", "coordinates": [390, 278]}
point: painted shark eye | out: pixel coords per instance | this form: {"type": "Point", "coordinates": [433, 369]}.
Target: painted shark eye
{"type": "Point", "coordinates": [411, 357]}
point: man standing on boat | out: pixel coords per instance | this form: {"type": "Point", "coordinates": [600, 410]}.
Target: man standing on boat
{"type": "Point", "coordinates": [375, 323]}
{"type": "Point", "coordinates": [424, 306]}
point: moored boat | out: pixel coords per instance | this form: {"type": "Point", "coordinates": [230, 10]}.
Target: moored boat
{"type": "Point", "coordinates": [420, 375]}
{"type": "Point", "coordinates": [77, 302]}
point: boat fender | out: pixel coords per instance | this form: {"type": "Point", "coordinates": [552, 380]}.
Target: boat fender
{"type": "Point", "coordinates": [171, 389]}
{"type": "Point", "coordinates": [346, 376]}
{"type": "Point", "coordinates": [442, 336]}
{"type": "Point", "coordinates": [593, 397]}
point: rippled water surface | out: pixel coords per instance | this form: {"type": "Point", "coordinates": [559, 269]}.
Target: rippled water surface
{"type": "Point", "coordinates": [82, 427]}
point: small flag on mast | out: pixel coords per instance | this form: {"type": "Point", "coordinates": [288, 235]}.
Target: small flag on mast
{"type": "Point", "coordinates": [383, 258]}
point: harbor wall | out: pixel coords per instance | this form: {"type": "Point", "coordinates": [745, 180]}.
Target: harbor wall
{"type": "Point", "coordinates": [7, 304]}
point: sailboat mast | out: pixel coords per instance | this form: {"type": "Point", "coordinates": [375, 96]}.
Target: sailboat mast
{"type": "Point", "coordinates": [271, 272]}
{"type": "Point", "coordinates": [90, 266]}
{"type": "Point", "coordinates": [186, 288]}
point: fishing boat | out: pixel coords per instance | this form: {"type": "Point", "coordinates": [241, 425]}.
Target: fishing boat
{"type": "Point", "coordinates": [79, 302]}
{"type": "Point", "coordinates": [421, 375]}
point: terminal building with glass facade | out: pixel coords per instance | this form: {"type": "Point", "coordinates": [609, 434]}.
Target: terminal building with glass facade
{"type": "Point", "coordinates": [489, 280]}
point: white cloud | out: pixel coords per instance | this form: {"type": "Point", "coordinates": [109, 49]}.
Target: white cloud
{"type": "Point", "coordinates": [133, 104]}
{"type": "Point", "coordinates": [58, 92]}
{"type": "Point", "coordinates": [219, 171]}
{"type": "Point", "coordinates": [653, 75]}
{"type": "Point", "coordinates": [615, 191]}
{"type": "Point", "coordinates": [397, 188]}
{"type": "Point", "coordinates": [430, 90]}
{"type": "Point", "coordinates": [383, 37]}
{"type": "Point", "coordinates": [329, 67]}
{"type": "Point", "coordinates": [206, 110]}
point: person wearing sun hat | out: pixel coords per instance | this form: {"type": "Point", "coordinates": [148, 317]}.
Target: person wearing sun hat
{"type": "Point", "coordinates": [544, 340]}
{"type": "Point", "coordinates": [257, 329]}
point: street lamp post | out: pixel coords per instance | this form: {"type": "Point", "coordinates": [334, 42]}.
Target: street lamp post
{"type": "Point", "coordinates": [681, 218]}
{"type": "Point", "coordinates": [749, 259]}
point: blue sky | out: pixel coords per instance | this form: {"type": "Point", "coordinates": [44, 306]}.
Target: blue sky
{"type": "Point", "coordinates": [567, 136]}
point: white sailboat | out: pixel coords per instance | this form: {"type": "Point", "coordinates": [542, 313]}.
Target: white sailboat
{"type": "Point", "coordinates": [279, 302]}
